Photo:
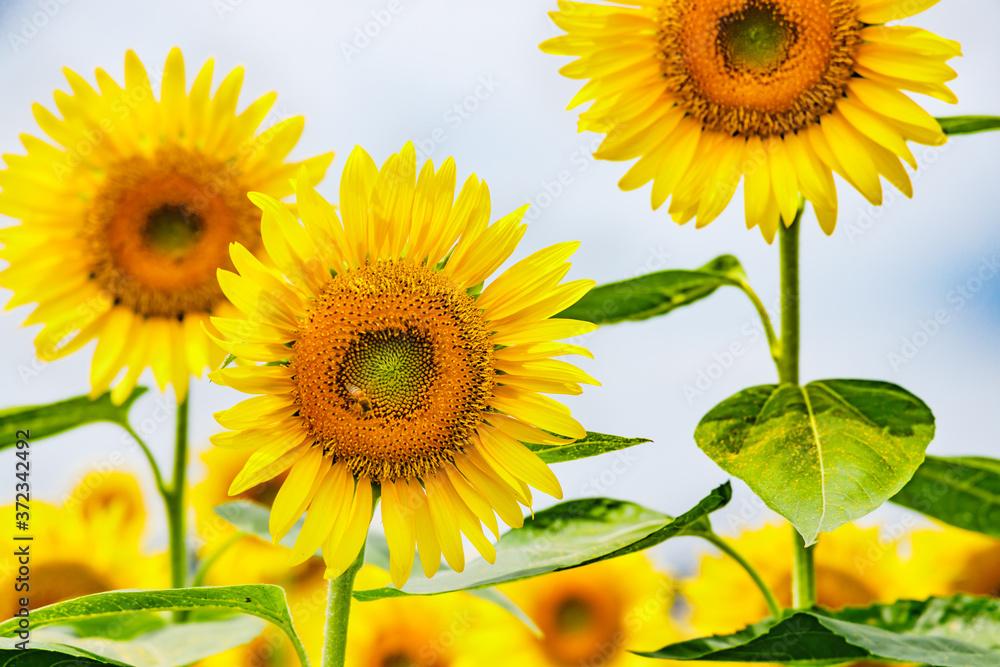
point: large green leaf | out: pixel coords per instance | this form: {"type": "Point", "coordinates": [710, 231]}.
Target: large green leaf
{"type": "Point", "coordinates": [47, 654]}
{"type": "Point", "coordinates": [568, 535]}
{"type": "Point", "coordinates": [252, 519]}
{"type": "Point", "coordinates": [173, 645]}
{"type": "Point", "coordinates": [969, 124]}
{"type": "Point", "coordinates": [42, 421]}
{"type": "Point", "coordinates": [656, 293]}
{"type": "Point", "coordinates": [949, 632]}
{"type": "Point", "coordinates": [260, 600]}
{"type": "Point", "coordinates": [592, 445]}
{"type": "Point", "coordinates": [820, 455]}
{"type": "Point", "coordinates": [964, 492]}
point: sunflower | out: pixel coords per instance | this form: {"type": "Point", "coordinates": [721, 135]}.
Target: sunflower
{"type": "Point", "coordinates": [435, 631]}
{"type": "Point", "coordinates": [593, 615]}
{"type": "Point", "coordinates": [250, 560]}
{"type": "Point", "coordinates": [781, 92]}
{"type": "Point", "coordinates": [948, 560]}
{"type": "Point", "coordinates": [127, 214]}
{"type": "Point", "coordinates": [854, 567]}
{"type": "Point", "coordinates": [390, 367]}
{"type": "Point", "coordinates": [91, 544]}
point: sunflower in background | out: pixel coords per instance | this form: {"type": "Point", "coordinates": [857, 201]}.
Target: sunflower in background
{"type": "Point", "coordinates": [948, 560]}
{"type": "Point", "coordinates": [854, 567]}
{"type": "Point", "coordinates": [128, 213]}
{"type": "Point", "coordinates": [90, 544]}
{"type": "Point", "coordinates": [432, 631]}
{"type": "Point", "coordinates": [391, 369]}
{"type": "Point", "coordinates": [592, 615]}
{"type": "Point", "coordinates": [250, 560]}
{"type": "Point", "coordinates": [780, 93]}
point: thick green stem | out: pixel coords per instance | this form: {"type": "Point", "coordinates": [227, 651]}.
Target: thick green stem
{"type": "Point", "coordinates": [176, 499]}
{"type": "Point", "coordinates": [788, 358]}
{"type": "Point", "coordinates": [772, 602]}
{"type": "Point", "coordinates": [338, 613]}
{"type": "Point", "coordinates": [804, 580]}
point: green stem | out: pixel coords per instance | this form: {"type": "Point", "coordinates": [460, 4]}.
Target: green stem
{"type": "Point", "coordinates": [175, 500]}
{"type": "Point", "coordinates": [804, 579]}
{"type": "Point", "coordinates": [338, 613]}
{"type": "Point", "coordinates": [157, 475]}
{"type": "Point", "coordinates": [199, 576]}
{"type": "Point", "coordinates": [726, 548]}
{"type": "Point", "coordinates": [788, 359]}
{"type": "Point", "coordinates": [772, 338]}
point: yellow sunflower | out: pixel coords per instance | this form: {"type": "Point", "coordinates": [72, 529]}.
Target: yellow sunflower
{"type": "Point", "coordinates": [435, 631]}
{"type": "Point", "coordinates": [948, 560]}
{"type": "Point", "coordinates": [854, 567]}
{"type": "Point", "coordinates": [593, 615]}
{"type": "Point", "coordinates": [781, 92]}
{"type": "Point", "coordinates": [91, 544]}
{"type": "Point", "coordinates": [253, 561]}
{"type": "Point", "coordinates": [391, 367]}
{"type": "Point", "coordinates": [128, 212]}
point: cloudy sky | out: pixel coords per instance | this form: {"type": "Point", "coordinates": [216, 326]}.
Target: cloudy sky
{"type": "Point", "coordinates": [467, 79]}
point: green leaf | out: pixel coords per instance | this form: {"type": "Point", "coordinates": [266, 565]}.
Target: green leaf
{"type": "Point", "coordinates": [252, 519]}
{"type": "Point", "coordinates": [42, 421]}
{"type": "Point", "coordinates": [592, 445]}
{"type": "Point", "coordinates": [260, 600]}
{"type": "Point", "coordinates": [173, 645]}
{"type": "Point", "coordinates": [960, 631]}
{"type": "Point", "coordinates": [46, 654]}
{"type": "Point", "coordinates": [655, 294]}
{"type": "Point", "coordinates": [820, 455]}
{"type": "Point", "coordinates": [568, 535]}
{"type": "Point", "coordinates": [969, 124]}
{"type": "Point", "coordinates": [964, 492]}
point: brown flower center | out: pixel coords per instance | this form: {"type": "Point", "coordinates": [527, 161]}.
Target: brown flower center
{"type": "Point", "coordinates": [160, 227]}
{"type": "Point", "coordinates": [394, 368]}
{"type": "Point", "coordinates": [758, 67]}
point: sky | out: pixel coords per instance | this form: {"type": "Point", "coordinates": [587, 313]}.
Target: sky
{"type": "Point", "coordinates": [466, 79]}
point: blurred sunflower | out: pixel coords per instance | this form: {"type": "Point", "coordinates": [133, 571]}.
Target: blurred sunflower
{"type": "Point", "coordinates": [781, 92]}
{"type": "Point", "coordinates": [434, 631]}
{"type": "Point", "coordinates": [91, 545]}
{"type": "Point", "coordinates": [391, 368]}
{"type": "Point", "coordinates": [854, 567]}
{"type": "Point", "coordinates": [592, 615]}
{"type": "Point", "coordinates": [948, 560]}
{"type": "Point", "coordinates": [250, 560]}
{"type": "Point", "coordinates": [124, 225]}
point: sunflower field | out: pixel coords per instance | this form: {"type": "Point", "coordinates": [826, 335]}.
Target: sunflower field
{"type": "Point", "coordinates": [278, 393]}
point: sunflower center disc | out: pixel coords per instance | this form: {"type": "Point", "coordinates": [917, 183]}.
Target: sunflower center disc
{"type": "Point", "coordinates": [160, 228]}
{"type": "Point", "coordinates": [393, 368]}
{"type": "Point", "coordinates": [757, 67]}
{"type": "Point", "coordinates": [173, 230]}
{"type": "Point", "coordinates": [573, 615]}
{"type": "Point", "coordinates": [756, 38]}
